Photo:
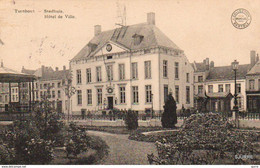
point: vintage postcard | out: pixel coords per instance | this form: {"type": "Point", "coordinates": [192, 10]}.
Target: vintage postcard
{"type": "Point", "coordinates": [129, 82]}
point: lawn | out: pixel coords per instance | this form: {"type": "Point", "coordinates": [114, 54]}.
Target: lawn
{"type": "Point", "coordinates": [83, 158]}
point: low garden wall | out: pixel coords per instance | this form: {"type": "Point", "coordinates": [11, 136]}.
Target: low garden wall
{"type": "Point", "coordinates": [249, 123]}
{"type": "Point", "coordinates": [141, 123]}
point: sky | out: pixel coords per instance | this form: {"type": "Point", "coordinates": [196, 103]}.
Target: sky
{"type": "Point", "coordinates": [201, 28]}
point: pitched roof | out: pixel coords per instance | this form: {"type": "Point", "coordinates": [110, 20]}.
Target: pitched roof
{"type": "Point", "coordinates": [199, 66]}
{"type": "Point", "coordinates": [56, 75]}
{"type": "Point", "coordinates": [123, 36]}
{"type": "Point", "coordinates": [226, 72]}
{"type": "Point", "coordinates": [255, 69]}
{"type": "Point", "coordinates": [28, 71]}
{"type": "Point", "coordinates": [219, 94]}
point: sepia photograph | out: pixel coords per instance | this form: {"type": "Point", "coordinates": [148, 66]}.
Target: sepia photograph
{"type": "Point", "coordinates": [129, 82]}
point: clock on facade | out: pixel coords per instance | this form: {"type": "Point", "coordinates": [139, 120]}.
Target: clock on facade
{"type": "Point", "coordinates": [109, 47]}
{"type": "Point", "coordinates": [110, 90]}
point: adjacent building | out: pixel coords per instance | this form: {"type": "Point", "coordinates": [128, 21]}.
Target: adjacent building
{"type": "Point", "coordinates": [253, 88]}
{"type": "Point", "coordinates": [53, 83]}
{"type": "Point", "coordinates": [131, 67]}
{"type": "Point", "coordinates": [214, 86]}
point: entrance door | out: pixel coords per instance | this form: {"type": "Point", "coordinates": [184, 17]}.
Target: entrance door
{"type": "Point", "coordinates": [110, 102]}
{"type": "Point", "coordinates": [59, 106]}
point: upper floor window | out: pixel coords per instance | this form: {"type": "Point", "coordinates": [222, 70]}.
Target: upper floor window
{"type": "Point", "coordinates": [121, 71]}
{"type": "Point", "coordinates": [251, 84]}
{"type": "Point", "coordinates": [78, 76]}
{"type": "Point", "coordinates": [176, 70]}
{"type": "Point", "coordinates": [238, 87]}
{"type": "Point", "coordinates": [147, 68]}
{"type": "Point", "coordinates": [200, 89]}
{"type": "Point", "coordinates": [165, 68]}
{"type": "Point", "coordinates": [59, 94]}
{"type": "Point", "coordinates": [200, 78]}
{"type": "Point", "coordinates": [220, 88]}
{"type": "Point", "coordinates": [210, 89]}
{"type": "Point", "coordinates": [258, 84]}
{"type": "Point", "coordinates": [109, 72]}
{"type": "Point", "coordinates": [99, 75]}
{"type": "Point", "coordinates": [53, 94]}
{"type": "Point", "coordinates": [88, 73]}
{"type": "Point", "coordinates": [59, 84]}
{"type": "Point", "coordinates": [227, 87]}
{"type": "Point", "coordinates": [134, 70]}
{"type": "Point", "coordinates": [187, 77]}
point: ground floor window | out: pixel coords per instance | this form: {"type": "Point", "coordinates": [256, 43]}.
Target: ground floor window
{"type": "Point", "coordinates": [165, 90]}
{"type": "Point", "coordinates": [89, 96]}
{"type": "Point", "coordinates": [122, 94]}
{"type": "Point", "coordinates": [99, 96]}
{"type": "Point", "coordinates": [187, 95]}
{"type": "Point", "coordinates": [135, 94]}
{"type": "Point", "coordinates": [177, 93]}
{"type": "Point", "coordinates": [79, 95]}
{"type": "Point", "coordinates": [148, 92]}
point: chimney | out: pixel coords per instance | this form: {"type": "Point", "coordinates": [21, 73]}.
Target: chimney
{"type": "Point", "coordinates": [207, 63]}
{"type": "Point", "coordinates": [252, 57]}
{"type": "Point", "coordinates": [211, 64]}
{"type": "Point", "coordinates": [151, 18]}
{"type": "Point", "coordinates": [97, 30]}
{"type": "Point", "coordinates": [2, 64]}
{"type": "Point", "coordinates": [57, 69]}
{"type": "Point", "coordinates": [257, 58]}
{"type": "Point", "coordinates": [64, 68]}
{"type": "Point", "coordinates": [43, 69]}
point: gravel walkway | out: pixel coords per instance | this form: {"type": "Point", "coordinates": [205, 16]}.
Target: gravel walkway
{"type": "Point", "coordinates": [124, 151]}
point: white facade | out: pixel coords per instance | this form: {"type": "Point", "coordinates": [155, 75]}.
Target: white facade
{"type": "Point", "coordinates": [241, 90]}
{"type": "Point", "coordinates": [156, 56]}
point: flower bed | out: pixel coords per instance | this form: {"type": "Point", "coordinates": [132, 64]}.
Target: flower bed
{"type": "Point", "coordinates": [207, 139]}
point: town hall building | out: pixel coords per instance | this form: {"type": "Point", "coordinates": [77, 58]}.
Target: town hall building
{"type": "Point", "coordinates": [130, 67]}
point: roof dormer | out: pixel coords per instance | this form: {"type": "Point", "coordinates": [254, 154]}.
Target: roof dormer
{"type": "Point", "coordinates": [137, 39]}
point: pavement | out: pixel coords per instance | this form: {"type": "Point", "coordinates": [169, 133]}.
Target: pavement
{"type": "Point", "coordinates": [124, 151]}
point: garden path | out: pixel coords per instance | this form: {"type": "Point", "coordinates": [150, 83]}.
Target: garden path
{"type": "Point", "coordinates": [124, 151]}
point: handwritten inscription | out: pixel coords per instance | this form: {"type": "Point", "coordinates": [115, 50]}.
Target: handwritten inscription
{"type": "Point", "coordinates": [47, 13]}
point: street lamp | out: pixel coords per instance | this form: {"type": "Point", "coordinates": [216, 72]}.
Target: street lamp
{"type": "Point", "coordinates": [235, 108]}
{"type": "Point", "coordinates": [152, 104]}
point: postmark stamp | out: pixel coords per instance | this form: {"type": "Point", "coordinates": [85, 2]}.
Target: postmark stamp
{"type": "Point", "coordinates": [241, 18]}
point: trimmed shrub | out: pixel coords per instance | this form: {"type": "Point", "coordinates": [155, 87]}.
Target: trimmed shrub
{"type": "Point", "coordinates": [131, 120]}
{"type": "Point", "coordinates": [169, 116]}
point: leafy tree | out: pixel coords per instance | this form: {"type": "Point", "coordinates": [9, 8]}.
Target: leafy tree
{"type": "Point", "coordinates": [169, 116]}
{"type": "Point", "coordinates": [47, 121]}
{"type": "Point", "coordinates": [131, 120]}
{"type": "Point", "coordinates": [77, 142]}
